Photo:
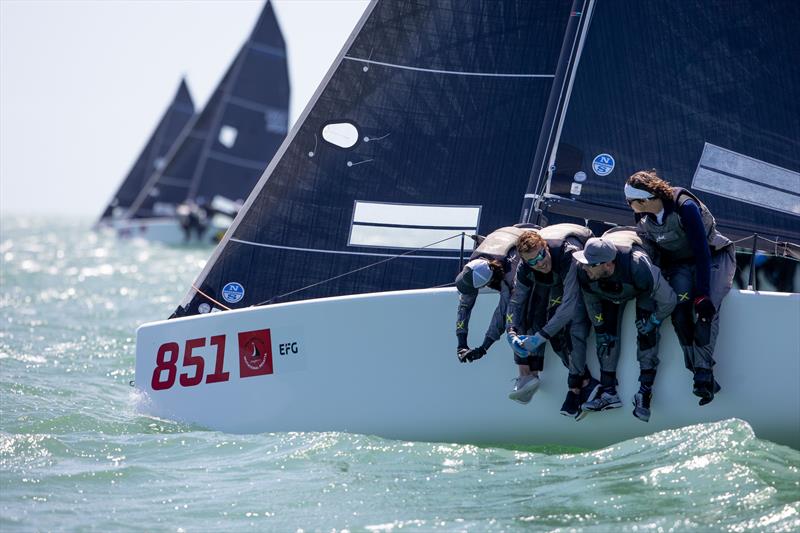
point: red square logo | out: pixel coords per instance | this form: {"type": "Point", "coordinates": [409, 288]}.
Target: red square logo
{"type": "Point", "coordinates": [255, 353]}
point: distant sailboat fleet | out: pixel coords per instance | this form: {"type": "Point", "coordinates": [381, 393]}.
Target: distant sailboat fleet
{"type": "Point", "coordinates": [197, 170]}
{"type": "Point", "coordinates": [323, 307]}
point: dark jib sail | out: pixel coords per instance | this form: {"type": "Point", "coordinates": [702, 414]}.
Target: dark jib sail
{"type": "Point", "coordinates": [227, 147]}
{"type": "Point", "coordinates": [707, 92]}
{"type": "Point", "coordinates": [174, 120]}
{"type": "Point", "coordinates": [425, 127]}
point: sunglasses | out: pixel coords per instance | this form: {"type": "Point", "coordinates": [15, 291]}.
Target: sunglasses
{"type": "Point", "coordinates": [533, 261]}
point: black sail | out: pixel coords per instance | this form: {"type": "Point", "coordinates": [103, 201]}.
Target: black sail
{"type": "Point", "coordinates": [226, 148]}
{"type": "Point", "coordinates": [174, 120]}
{"type": "Point", "coordinates": [424, 128]}
{"type": "Point", "coordinates": [707, 92]}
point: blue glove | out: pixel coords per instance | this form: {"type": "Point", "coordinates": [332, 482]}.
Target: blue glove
{"type": "Point", "coordinates": [646, 326]}
{"type": "Point", "coordinates": [532, 342]}
{"type": "Point", "coordinates": [517, 344]}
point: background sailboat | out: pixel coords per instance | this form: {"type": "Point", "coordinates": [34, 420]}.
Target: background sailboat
{"type": "Point", "coordinates": [435, 120]}
{"type": "Point", "coordinates": [224, 150]}
{"type": "Point", "coordinates": [175, 118]}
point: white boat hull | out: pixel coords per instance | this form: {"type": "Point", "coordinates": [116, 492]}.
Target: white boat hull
{"type": "Point", "coordinates": [168, 230]}
{"type": "Point", "coordinates": [385, 364]}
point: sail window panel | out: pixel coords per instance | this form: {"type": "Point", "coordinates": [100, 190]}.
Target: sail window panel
{"type": "Point", "coordinates": [227, 136]}
{"type": "Point", "coordinates": [417, 215]}
{"type": "Point", "coordinates": [254, 142]}
{"type": "Point", "coordinates": [736, 176]}
{"type": "Point", "coordinates": [408, 238]}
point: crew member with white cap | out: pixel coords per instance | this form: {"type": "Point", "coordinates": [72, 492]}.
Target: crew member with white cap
{"type": "Point", "coordinates": [697, 261]}
{"type": "Point", "coordinates": [614, 269]}
{"type": "Point", "coordinates": [493, 265]}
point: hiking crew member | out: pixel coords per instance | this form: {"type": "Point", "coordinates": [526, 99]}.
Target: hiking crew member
{"type": "Point", "coordinates": [615, 269]}
{"type": "Point", "coordinates": [547, 284]}
{"type": "Point", "coordinates": [492, 264]}
{"type": "Point", "coordinates": [697, 261]}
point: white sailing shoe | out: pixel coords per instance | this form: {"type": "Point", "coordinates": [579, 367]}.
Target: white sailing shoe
{"type": "Point", "coordinates": [524, 388]}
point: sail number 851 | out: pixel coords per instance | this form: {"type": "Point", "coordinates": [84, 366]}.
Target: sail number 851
{"type": "Point", "coordinates": [166, 369]}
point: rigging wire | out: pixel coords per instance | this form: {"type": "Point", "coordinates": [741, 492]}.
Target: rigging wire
{"type": "Point", "coordinates": [274, 298]}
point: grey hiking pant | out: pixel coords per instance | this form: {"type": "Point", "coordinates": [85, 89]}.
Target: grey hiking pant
{"type": "Point", "coordinates": [700, 357]}
{"type": "Point", "coordinates": [569, 343]}
{"type": "Point", "coordinates": [606, 317]}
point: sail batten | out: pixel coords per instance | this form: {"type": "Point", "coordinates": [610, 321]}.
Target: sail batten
{"type": "Point", "coordinates": [457, 73]}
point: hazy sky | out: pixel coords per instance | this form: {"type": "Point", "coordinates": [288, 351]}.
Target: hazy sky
{"type": "Point", "coordinates": [83, 83]}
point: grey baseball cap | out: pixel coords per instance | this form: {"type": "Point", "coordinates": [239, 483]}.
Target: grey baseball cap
{"type": "Point", "coordinates": [596, 251]}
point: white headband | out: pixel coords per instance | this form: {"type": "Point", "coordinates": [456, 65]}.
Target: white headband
{"type": "Point", "coordinates": [632, 193]}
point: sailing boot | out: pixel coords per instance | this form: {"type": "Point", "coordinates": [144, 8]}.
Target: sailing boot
{"type": "Point", "coordinates": [572, 405]}
{"type": "Point", "coordinates": [705, 386]}
{"type": "Point", "coordinates": [641, 405]}
{"type": "Point", "coordinates": [608, 399]}
{"type": "Point", "coordinates": [524, 388]}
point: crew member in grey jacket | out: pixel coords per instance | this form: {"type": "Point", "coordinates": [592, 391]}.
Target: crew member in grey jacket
{"type": "Point", "coordinates": [615, 269]}
{"type": "Point", "coordinates": [547, 281]}
{"type": "Point", "coordinates": [492, 264]}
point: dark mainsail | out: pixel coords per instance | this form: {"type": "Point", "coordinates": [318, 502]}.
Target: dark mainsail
{"type": "Point", "coordinates": [707, 92]}
{"type": "Point", "coordinates": [225, 149]}
{"type": "Point", "coordinates": [174, 120]}
{"type": "Point", "coordinates": [425, 127]}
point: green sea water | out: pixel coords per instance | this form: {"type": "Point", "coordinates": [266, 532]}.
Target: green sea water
{"type": "Point", "coordinates": [76, 456]}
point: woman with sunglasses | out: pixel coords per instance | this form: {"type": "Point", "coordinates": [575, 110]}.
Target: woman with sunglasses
{"type": "Point", "coordinates": [547, 298]}
{"type": "Point", "coordinates": [697, 261]}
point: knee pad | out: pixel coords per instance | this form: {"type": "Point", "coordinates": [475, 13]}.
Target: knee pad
{"type": "Point", "coordinates": [561, 341]}
{"type": "Point", "coordinates": [646, 342]}
{"type": "Point", "coordinates": [683, 321]}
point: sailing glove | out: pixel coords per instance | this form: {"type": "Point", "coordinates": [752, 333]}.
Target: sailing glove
{"type": "Point", "coordinates": [517, 342]}
{"type": "Point", "coordinates": [704, 308]}
{"type": "Point", "coordinates": [532, 342]}
{"type": "Point", "coordinates": [647, 326]}
{"type": "Point", "coordinates": [469, 356]}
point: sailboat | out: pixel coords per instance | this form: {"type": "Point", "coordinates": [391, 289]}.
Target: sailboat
{"type": "Point", "coordinates": [326, 307]}
{"type": "Point", "coordinates": [177, 115]}
{"type": "Point", "coordinates": [223, 151]}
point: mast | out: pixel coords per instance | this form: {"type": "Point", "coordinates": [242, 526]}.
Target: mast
{"type": "Point", "coordinates": [574, 37]}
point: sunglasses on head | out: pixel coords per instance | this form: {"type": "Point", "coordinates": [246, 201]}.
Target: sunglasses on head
{"type": "Point", "coordinates": [533, 261]}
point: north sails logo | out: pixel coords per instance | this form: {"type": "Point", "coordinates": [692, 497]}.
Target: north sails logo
{"type": "Point", "coordinates": [255, 353]}
{"type": "Point", "coordinates": [660, 238]}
